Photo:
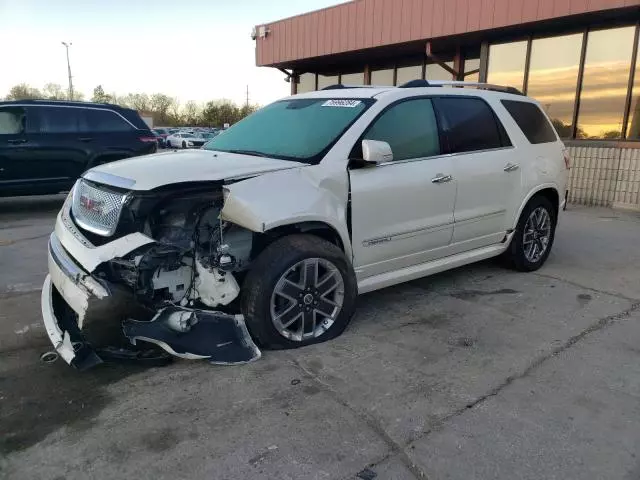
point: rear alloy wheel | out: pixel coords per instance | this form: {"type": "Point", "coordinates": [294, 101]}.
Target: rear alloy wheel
{"type": "Point", "coordinates": [300, 291]}
{"type": "Point", "coordinates": [534, 235]}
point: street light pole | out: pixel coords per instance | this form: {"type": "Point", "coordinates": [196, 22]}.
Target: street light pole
{"type": "Point", "coordinates": [67, 45]}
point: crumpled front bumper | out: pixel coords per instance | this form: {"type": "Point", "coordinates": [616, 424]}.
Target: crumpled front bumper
{"type": "Point", "coordinates": [72, 297]}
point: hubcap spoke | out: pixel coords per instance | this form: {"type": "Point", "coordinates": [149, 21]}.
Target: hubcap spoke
{"type": "Point", "coordinates": [326, 307]}
{"type": "Point", "coordinates": [309, 273]}
{"type": "Point", "coordinates": [290, 290]}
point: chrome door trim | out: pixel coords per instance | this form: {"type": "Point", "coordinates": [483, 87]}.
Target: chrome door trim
{"type": "Point", "coordinates": [406, 234]}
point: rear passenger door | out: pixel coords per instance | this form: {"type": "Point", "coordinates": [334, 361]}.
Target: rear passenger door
{"type": "Point", "coordinates": [112, 137]}
{"type": "Point", "coordinates": [487, 171]}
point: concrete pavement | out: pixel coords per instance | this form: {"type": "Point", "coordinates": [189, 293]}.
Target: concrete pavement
{"type": "Point", "coordinates": [476, 373]}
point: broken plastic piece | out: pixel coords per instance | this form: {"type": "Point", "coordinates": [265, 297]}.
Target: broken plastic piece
{"type": "Point", "coordinates": [49, 357]}
{"type": "Point", "coordinates": [196, 334]}
{"type": "Point", "coordinates": [149, 357]}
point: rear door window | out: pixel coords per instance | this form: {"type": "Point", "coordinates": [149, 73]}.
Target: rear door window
{"type": "Point", "coordinates": [12, 120]}
{"type": "Point", "coordinates": [105, 121]}
{"type": "Point", "coordinates": [55, 120]}
{"type": "Point", "coordinates": [469, 124]}
{"type": "Point", "coordinates": [410, 128]}
{"type": "Point", "coordinates": [531, 121]}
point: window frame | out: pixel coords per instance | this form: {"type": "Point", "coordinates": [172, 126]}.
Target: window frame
{"type": "Point", "coordinates": [503, 134]}
{"type": "Point", "coordinates": [358, 144]}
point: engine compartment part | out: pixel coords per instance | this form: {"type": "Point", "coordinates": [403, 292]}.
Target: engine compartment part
{"type": "Point", "coordinates": [197, 334]}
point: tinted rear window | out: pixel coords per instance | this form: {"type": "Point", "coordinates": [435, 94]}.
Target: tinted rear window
{"type": "Point", "coordinates": [105, 121]}
{"type": "Point", "coordinates": [470, 125]}
{"type": "Point", "coordinates": [531, 121]}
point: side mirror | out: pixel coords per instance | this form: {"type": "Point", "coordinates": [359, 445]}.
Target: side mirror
{"type": "Point", "coordinates": [375, 151]}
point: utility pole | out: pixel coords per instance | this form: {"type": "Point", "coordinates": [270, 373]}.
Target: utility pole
{"type": "Point", "coordinates": [67, 45]}
{"type": "Point", "coordinates": [247, 96]}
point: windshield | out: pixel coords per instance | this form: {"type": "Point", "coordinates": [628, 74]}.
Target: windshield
{"type": "Point", "coordinates": [299, 129]}
{"type": "Point", "coordinates": [187, 135]}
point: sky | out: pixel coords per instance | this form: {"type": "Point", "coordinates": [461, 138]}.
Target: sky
{"type": "Point", "coordinates": [191, 49]}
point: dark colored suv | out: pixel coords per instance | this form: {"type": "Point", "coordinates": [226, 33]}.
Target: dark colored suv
{"type": "Point", "coordinates": [46, 145]}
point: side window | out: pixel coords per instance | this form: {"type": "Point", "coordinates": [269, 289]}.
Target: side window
{"type": "Point", "coordinates": [410, 128]}
{"type": "Point", "coordinates": [12, 120]}
{"type": "Point", "coordinates": [55, 120]}
{"type": "Point", "coordinates": [105, 121]}
{"type": "Point", "coordinates": [531, 121]}
{"type": "Point", "coordinates": [469, 124]}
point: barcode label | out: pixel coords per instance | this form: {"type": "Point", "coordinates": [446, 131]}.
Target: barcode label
{"type": "Point", "coordinates": [342, 103]}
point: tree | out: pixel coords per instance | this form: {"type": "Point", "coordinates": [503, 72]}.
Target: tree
{"type": "Point", "coordinates": [22, 91]}
{"type": "Point", "coordinates": [192, 114]}
{"type": "Point", "coordinates": [99, 96]}
{"type": "Point", "coordinates": [138, 101]}
{"type": "Point", "coordinates": [160, 104]}
{"type": "Point", "coordinates": [53, 91]}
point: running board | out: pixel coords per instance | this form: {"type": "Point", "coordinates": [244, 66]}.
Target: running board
{"type": "Point", "coordinates": [413, 272]}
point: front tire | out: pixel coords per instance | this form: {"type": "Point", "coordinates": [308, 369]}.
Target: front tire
{"type": "Point", "coordinates": [184, 144]}
{"type": "Point", "coordinates": [168, 143]}
{"type": "Point", "coordinates": [301, 290]}
{"type": "Point", "coordinates": [534, 235]}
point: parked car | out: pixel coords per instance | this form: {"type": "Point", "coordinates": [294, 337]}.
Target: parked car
{"type": "Point", "coordinates": [160, 137]}
{"type": "Point", "coordinates": [184, 140]}
{"type": "Point", "coordinates": [45, 145]}
{"type": "Point", "coordinates": [292, 212]}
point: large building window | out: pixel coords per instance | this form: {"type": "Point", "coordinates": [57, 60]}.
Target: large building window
{"type": "Point", "coordinates": [604, 88]}
{"type": "Point", "coordinates": [406, 74]}
{"type": "Point", "coordinates": [553, 78]}
{"type": "Point", "coordinates": [307, 83]}
{"type": "Point", "coordinates": [433, 71]}
{"type": "Point", "coordinates": [507, 64]}
{"type": "Point", "coordinates": [352, 78]}
{"type": "Point", "coordinates": [633, 132]}
{"type": "Point", "coordinates": [382, 77]}
{"type": "Point", "coordinates": [326, 80]}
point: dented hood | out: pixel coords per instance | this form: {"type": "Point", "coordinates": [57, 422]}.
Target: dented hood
{"type": "Point", "coordinates": [152, 171]}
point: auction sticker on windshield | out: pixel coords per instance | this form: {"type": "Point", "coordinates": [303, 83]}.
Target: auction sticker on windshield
{"type": "Point", "coordinates": [342, 103]}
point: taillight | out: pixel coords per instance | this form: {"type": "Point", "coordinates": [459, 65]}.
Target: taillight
{"type": "Point", "coordinates": [567, 159]}
{"type": "Point", "coordinates": [148, 139]}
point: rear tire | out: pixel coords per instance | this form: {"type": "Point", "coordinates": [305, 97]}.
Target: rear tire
{"type": "Point", "coordinates": [275, 293]}
{"type": "Point", "coordinates": [184, 144]}
{"type": "Point", "coordinates": [168, 143]}
{"type": "Point", "coordinates": [534, 235]}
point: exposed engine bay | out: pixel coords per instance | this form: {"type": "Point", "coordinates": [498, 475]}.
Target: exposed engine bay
{"type": "Point", "coordinates": [177, 292]}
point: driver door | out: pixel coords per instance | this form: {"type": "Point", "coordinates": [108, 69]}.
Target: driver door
{"type": "Point", "coordinates": [402, 210]}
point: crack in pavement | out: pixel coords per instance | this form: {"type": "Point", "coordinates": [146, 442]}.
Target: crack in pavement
{"type": "Point", "coordinates": [584, 287]}
{"type": "Point", "coordinates": [6, 243]}
{"type": "Point", "coordinates": [371, 421]}
{"type": "Point", "coordinates": [400, 450]}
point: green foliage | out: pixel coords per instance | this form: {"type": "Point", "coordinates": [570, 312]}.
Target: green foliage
{"type": "Point", "coordinates": [22, 91]}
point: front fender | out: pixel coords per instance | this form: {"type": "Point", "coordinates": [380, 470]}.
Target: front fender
{"type": "Point", "coordinates": [307, 194]}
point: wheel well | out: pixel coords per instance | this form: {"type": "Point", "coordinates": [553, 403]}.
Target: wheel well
{"type": "Point", "coordinates": [319, 229]}
{"type": "Point", "coordinates": [550, 194]}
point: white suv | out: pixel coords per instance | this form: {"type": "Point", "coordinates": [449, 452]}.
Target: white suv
{"type": "Point", "coordinates": [267, 235]}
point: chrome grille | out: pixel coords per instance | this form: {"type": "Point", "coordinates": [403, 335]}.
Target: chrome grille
{"type": "Point", "coordinates": [96, 210]}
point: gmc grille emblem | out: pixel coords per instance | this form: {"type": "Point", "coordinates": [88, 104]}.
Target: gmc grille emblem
{"type": "Point", "coordinates": [90, 204]}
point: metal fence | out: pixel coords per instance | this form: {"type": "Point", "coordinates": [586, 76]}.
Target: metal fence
{"type": "Point", "coordinates": [605, 174]}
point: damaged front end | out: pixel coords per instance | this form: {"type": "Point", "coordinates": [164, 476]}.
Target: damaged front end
{"type": "Point", "coordinates": [158, 268]}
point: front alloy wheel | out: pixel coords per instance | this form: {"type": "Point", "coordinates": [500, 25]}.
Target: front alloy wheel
{"type": "Point", "coordinates": [300, 290]}
{"type": "Point", "coordinates": [307, 299]}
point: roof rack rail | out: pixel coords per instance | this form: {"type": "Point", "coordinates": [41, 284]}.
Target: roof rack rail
{"type": "Point", "coordinates": [478, 85]}
{"type": "Point", "coordinates": [418, 83]}
{"type": "Point", "coordinates": [339, 86]}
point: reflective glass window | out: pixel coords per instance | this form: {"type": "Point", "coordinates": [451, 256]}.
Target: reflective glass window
{"type": "Point", "coordinates": [326, 80]}
{"type": "Point", "coordinates": [434, 71]}
{"type": "Point", "coordinates": [382, 77]}
{"type": "Point", "coordinates": [604, 87]}
{"type": "Point", "coordinates": [506, 64]}
{"type": "Point", "coordinates": [406, 74]}
{"type": "Point", "coordinates": [633, 131]}
{"type": "Point", "coordinates": [307, 83]}
{"type": "Point", "coordinates": [352, 78]}
{"type": "Point", "coordinates": [553, 77]}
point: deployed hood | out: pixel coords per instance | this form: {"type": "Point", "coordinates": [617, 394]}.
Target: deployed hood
{"type": "Point", "coordinates": [152, 171]}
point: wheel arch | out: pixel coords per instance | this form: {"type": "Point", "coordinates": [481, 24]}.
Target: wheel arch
{"type": "Point", "coordinates": [548, 191]}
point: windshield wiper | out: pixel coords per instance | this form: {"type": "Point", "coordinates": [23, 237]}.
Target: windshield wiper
{"type": "Point", "coordinates": [248, 152]}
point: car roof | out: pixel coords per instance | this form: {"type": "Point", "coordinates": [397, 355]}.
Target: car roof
{"type": "Point", "coordinates": [64, 103]}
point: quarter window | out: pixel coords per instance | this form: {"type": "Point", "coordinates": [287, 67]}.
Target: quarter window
{"type": "Point", "coordinates": [531, 121]}
{"type": "Point", "coordinates": [410, 128]}
{"type": "Point", "coordinates": [12, 121]}
{"type": "Point", "coordinates": [469, 124]}
{"type": "Point", "coordinates": [105, 121]}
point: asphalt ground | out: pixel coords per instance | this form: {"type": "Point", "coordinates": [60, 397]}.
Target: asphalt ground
{"type": "Point", "coordinates": [476, 373]}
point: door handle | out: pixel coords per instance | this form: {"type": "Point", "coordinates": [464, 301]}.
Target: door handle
{"type": "Point", "coordinates": [16, 141]}
{"type": "Point", "coordinates": [510, 167]}
{"type": "Point", "coordinates": [85, 139]}
{"type": "Point", "coordinates": [440, 178]}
